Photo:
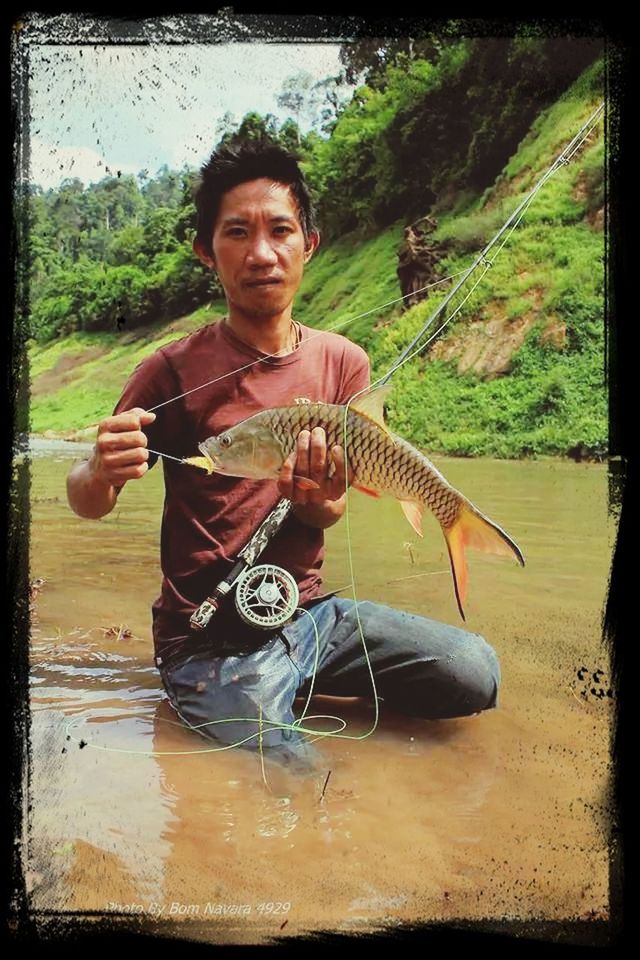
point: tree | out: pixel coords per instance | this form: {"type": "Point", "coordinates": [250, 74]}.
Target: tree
{"type": "Point", "coordinates": [160, 231]}
{"type": "Point", "coordinates": [297, 95]}
{"type": "Point", "coordinates": [128, 246]}
{"type": "Point", "coordinates": [331, 96]}
{"type": "Point", "coordinates": [163, 190]}
{"type": "Point", "coordinates": [366, 60]}
{"type": "Point", "coordinates": [253, 126]}
{"type": "Point", "coordinates": [225, 127]}
{"type": "Point", "coordinates": [68, 217]}
{"type": "Point", "coordinates": [289, 136]}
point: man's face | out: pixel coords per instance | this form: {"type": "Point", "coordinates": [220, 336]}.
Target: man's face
{"type": "Point", "coordinates": [259, 248]}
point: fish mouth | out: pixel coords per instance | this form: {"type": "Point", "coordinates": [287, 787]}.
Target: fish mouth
{"type": "Point", "coordinates": [213, 462]}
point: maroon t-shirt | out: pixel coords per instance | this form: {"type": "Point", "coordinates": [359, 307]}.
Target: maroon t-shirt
{"type": "Point", "coordinates": [208, 519]}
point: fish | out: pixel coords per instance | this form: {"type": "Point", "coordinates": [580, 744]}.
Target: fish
{"type": "Point", "coordinates": [380, 461]}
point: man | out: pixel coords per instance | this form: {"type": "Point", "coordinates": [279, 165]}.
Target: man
{"type": "Point", "coordinates": [235, 683]}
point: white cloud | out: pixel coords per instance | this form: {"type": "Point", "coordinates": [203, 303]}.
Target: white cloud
{"type": "Point", "coordinates": [50, 164]}
{"type": "Point", "coordinates": [136, 107]}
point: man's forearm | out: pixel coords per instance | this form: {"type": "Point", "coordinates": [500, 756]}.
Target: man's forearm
{"type": "Point", "coordinates": [321, 515]}
{"type": "Point", "coordinates": [89, 496]}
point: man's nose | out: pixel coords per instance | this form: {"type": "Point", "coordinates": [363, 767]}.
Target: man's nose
{"type": "Point", "coordinates": [261, 251]}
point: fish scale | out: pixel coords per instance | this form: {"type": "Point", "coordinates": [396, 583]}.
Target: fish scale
{"type": "Point", "coordinates": [380, 461]}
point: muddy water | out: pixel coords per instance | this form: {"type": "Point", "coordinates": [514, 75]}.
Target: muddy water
{"type": "Point", "coordinates": [501, 814]}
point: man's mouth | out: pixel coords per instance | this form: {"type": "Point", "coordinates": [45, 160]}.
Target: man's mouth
{"type": "Point", "coordinates": [263, 283]}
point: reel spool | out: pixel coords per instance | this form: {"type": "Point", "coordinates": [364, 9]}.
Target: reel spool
{"type": "Point", "coordinates": [266, 596]}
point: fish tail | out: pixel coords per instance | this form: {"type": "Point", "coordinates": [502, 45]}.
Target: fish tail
{"type": "Point", "coordinates": [472, 529]}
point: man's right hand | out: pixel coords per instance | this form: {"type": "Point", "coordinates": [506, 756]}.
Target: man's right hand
{"type": "Point", "coordinates": [121, 448]}
{"type": "Point", "coordinates": [120, 454]}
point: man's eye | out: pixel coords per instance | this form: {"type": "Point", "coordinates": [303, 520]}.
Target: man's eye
{"type": "Point", "coordinates": [282, 229]}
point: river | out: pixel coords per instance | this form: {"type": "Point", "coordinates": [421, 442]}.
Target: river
{"type": "Point", "coordinates": [503, 814]}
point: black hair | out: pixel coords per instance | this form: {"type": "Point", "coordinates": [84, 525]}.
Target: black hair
{"type": "Point", "coordinates": [232, 164]}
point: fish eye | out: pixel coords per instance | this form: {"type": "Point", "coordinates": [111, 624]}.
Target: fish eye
{"type": "Point", "coordinates": [225, 440]}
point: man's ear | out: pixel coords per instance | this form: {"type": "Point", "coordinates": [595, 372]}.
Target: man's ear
{"type": "Point", "coordinates": [202, 255]}
{"type": "Point", "coordinates": [311, 245]}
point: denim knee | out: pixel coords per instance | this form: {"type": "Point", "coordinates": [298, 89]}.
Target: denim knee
{"type": "Point", "coordinates": [461, 682]}
{"type": "Point", "coordinates": [476, 670]}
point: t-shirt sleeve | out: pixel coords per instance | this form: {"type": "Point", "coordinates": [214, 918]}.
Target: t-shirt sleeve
{"type": "Point", "coordinates": [150, 384]}
{"type": "Point", "coordinates": [356, 373]}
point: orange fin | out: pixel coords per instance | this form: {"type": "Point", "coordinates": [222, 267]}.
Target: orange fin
{"type": "Point", "coordinates": [473, 529]}
{"type": "Point", "coordinates": [368, 490]}
{"type": "Point", "coordinates": [306, 483]}
{"type": "Point", "coordinates": [413, 512]}
{"type": "Point", "coordinates": [371, 405]}
{"type": "Point", "coordinates": [455, 545]}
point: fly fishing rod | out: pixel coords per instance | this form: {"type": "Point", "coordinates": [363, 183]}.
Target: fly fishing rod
{"type": "Point", "coordinates": [267, 595]}
{"type": "Point", "coordinates": [561, 160]}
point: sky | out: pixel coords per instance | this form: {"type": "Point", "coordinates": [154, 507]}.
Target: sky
{"type": "Point", "coordinates": [99, 109]}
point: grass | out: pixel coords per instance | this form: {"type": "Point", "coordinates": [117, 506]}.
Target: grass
{"type": "Point", "coordinates": [347, 280]}
{"type": "Point", "coordinates": [549, 274]}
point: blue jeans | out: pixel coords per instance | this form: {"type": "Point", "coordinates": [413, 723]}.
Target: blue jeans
{"type": "Point", "coordinates": [421, 668]}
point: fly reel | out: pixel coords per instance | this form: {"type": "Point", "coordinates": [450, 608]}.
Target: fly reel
{"type": "Point", "coordinates": [266, 596]}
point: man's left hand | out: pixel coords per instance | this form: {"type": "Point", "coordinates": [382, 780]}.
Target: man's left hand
{"type": "Point", "coordinates": [311, 460]}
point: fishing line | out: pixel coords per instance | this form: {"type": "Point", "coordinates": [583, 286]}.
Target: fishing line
{"type": "Point", "coordinates": [275, 724]}
{"type": "Point", "coordinates": [406, 357]}
{"type": "Point", "coordinates": [318, 333]}
{"type": "Point", "coordinates": [315, 664]}
{"type": "Point", "coordinates": [169, 456]}
{"type": "Point", "coordinates": [355, 395]}
{"type": "Point", "coordinates": [516, 217]}
{"type": "Point", "coordinates": [409, 353]}
{"type": "Point", "coordinates": [318, 716]}
{"type": "Point", "coordinates": [166, 456]}
{"type": "Point", "coordinates": [264, 776]}
{"type": "Point", "coordinates": [296, 726]}
{"type": "Point", "coordinates": [412, 350]}
{"type": "Point", "coordinates": [562, 160]}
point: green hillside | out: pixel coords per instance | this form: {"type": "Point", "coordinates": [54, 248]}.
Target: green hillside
{"type": "Point", "coordinates": [520, 369]}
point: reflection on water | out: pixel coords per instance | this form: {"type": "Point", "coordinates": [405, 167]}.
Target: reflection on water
{"type": "Point", "coordinates": [496, 814]}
